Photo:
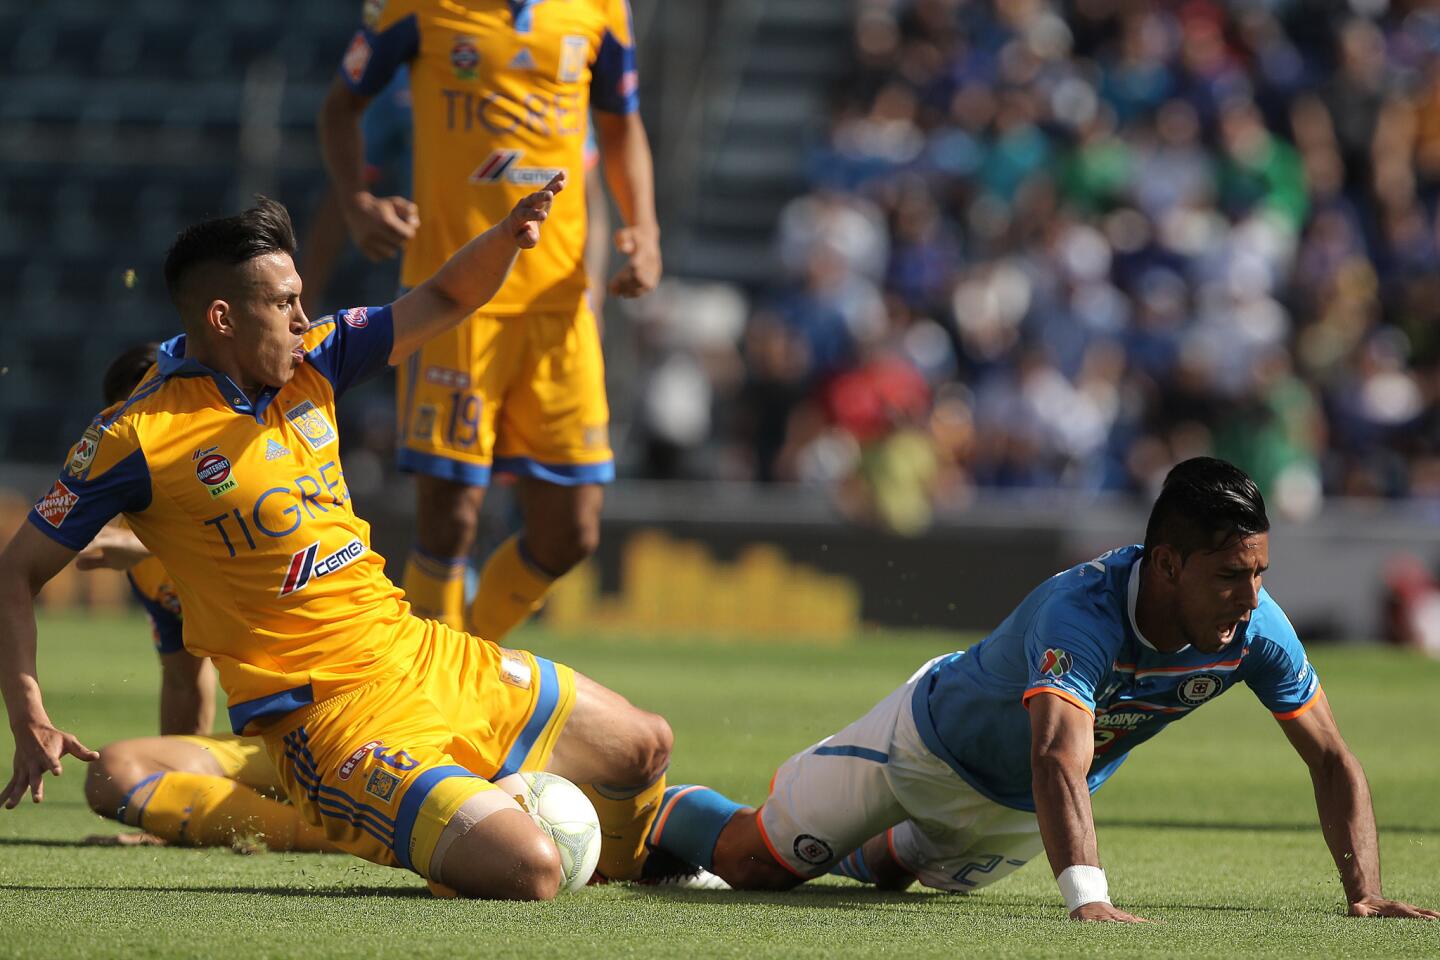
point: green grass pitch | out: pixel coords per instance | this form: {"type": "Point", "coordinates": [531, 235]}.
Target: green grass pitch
{"type": "Point", "coordinates": [1210, 830]}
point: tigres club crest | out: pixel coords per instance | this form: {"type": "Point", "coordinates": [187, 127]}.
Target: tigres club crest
{"type": "Point", "coordinates": [311, 423]}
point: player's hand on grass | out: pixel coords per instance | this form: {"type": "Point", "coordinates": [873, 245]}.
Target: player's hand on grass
{"type": "Point", "coordinates": [114, 548]}
{"type": "Point", "coordinates": [38, 749]}
{"type": "Point", "coordinates": [380, 226]}
{"type": "Point", "coordinates": [642, 272]}
{"type": "Point", "coordinates": [1102, 912]}
{"type": "Point", "coordinates": [524, 221]}
{"type": "Point", "coordinates": [1380, 907]}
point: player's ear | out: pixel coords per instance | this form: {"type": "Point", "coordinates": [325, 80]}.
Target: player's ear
{"type": "Point", "coordinates": [220, 318]}
{"type": "Point", "coordinates": [1167, 562]}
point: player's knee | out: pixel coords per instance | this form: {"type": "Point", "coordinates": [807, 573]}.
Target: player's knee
{"type": "Point", "coordinates": [110, 778]}
{"type": "Point", "coordinates": [757, 870]}
{"type": "Point", "coordinates": [563, 547]}
{"type": "Point", "coordinates": [650, 746]}
{"type": "Point", "coordinates": [528, 870]}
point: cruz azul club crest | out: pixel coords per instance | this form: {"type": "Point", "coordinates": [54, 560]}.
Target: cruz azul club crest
{"type": "Point", "coordinates": [1199, 688]}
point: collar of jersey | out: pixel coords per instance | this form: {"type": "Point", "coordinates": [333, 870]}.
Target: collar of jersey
{"type": "Point", "coordinates": [172, 362]}
{"type": "Point", "coordinates": [1133, 595]}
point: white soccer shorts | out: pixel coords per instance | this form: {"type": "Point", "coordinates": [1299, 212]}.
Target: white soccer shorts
{"type": "Point", "coordinates": [877, 775]}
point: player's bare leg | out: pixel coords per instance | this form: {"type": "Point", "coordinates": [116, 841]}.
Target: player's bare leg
{"type": "Point", "coordinates": [875, 863]}
{"type": "Point", "coordinates": [618, 754]}
{"type": "Point", "coordinates": [178, 792]}
{"type": "Point", "coordinates": [562, 524]}
{"type": "Point", "coordinates": [743, 860]}
{"type": "Point", "coordinates": [447, 514]}
{"type": "Point", "coordinates": [562, 528]}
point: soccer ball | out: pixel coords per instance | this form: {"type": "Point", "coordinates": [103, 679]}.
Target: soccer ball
{"type": "Point", "coordinates": [566, 815]}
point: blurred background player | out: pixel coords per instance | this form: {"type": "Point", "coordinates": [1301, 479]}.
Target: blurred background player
{"type": "Point", "coordinates": [500, 95]}
{"type": "Point", "coordinates": [986, 757]}
{"type": "Point", "coordinates": [204, 789]}
{"type": "Point", "coordinates": [388, 130]}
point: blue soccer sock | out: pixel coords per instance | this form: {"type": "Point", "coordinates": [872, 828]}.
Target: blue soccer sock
{"type": "Point", "coordinates": [854, 867]}
{"type": "Point", "coordinates": [689, 823]}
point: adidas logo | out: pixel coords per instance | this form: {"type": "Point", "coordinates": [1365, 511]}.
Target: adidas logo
{"type": "Point", "coordinates": [274, 451]}
{"type": "Point", "coordinates": [523, 60]}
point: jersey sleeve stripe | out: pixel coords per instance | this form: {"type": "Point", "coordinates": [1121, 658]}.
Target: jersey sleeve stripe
{"type": "Point", "coordinates": [1056, 691]}
{"type": "Point", "coordinates": [1302, 709]}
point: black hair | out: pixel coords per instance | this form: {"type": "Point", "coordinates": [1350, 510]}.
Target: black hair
{"type": "Point", "coordinates": [1204, 504]}
{"type": "Point", "coordinates": [264, 228]}
{"type": "Point", "coordinates": [124, 373]}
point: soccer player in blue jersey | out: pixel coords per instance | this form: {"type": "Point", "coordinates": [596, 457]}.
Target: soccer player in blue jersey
{"type": "Point", "coordinates": [988, 756]}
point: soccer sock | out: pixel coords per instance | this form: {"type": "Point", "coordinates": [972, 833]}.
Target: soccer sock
{"type": "Point", "coordinates": [625, 819]}
{"type": "Point", "coordinates": [854, 866]}
{"type": "Point", "coordinates": [511, 588]}
{"type": "Point", "coordinates": [435, 587]}
{"type": "Point", "coordinates": [200, 810]}
{"type": "Point", "coordinates": [689, 823]}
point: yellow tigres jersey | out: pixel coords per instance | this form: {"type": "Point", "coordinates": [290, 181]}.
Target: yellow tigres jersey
{"type": "Point", "coordinates": [155, 589]}
{"type": "Point", "coordinates": [245, 505]}
{"type": "Point", "coordinates": [501, 92]}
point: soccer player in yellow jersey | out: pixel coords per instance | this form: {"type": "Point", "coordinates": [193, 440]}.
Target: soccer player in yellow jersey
{"type": "Point", "coordinates": [502, 92]}
{"type": "Point", "coordinates": [387, 730]}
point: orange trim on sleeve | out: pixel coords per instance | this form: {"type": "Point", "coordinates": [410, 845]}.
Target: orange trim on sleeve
{"type": "Point", "coordinates": [765, 837]}
{"type": "Point", "coordinates": [1065, 695]}
{"type": "Point", "coordinates": [1303, 708]}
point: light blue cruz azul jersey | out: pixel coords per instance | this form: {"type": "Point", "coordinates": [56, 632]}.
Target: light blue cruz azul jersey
{"type": "Point", "coordinates": [1075, 637]}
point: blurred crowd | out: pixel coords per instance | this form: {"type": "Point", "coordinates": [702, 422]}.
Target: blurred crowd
{"type": "Point", "coordinates": [1065, 245]}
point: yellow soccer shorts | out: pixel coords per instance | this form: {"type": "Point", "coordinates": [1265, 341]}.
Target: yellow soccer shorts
{"type": "Point", "coordinates": [523, 395]}
{"type": "Point", "coordinates": [243, 759]}
{"type": "Point", "coordinates": [382, 768]}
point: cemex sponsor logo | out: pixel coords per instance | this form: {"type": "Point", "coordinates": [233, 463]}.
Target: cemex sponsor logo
{"type": "Point", "coordinates": [353, 761]}
{"type": "Point", "coordinates": [356, 317]}
{"type": "Point", "coordinates": [56, 505]}
{"type": "Point", "coordinates": [304, 567]}
{"type": "Point", "coordinates": [503, 165]}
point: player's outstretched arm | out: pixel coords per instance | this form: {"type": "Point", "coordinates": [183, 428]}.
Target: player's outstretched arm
{"type": "Point", "coordinates": [630, 175]}
{"type": "Point", "coordinates": [380, 226]}
{"type": "Point", "coordinates": [26, 565]}
{"type": "Point", "coordinates": [114, 548]}
{"type": "Point", "coordinates": [1062, 745]}
{"type": "Point", "coordinates": [472, 276]}
{"type": "Point", "coordinates": [1347, 818]}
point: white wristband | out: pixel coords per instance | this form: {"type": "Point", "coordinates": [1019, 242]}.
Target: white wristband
{"type": "Point", "coordinates": [1083, 884]}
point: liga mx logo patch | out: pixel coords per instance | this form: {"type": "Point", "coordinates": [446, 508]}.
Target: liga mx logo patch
{"type": "Point", "coordinates": [1055, 662]}
{"type": "Point", "coordinates": [78, 466]}
{"type": "Point", "coordinates": [312, 425]}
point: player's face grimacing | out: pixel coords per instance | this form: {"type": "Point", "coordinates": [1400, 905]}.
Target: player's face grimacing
{"type": "Point", "coordinates": [268, 321]}
{"type": "Point", "coordinates": [1218, 590]}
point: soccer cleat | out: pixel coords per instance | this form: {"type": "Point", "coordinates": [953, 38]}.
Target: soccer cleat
{"type": "Point", "coordinates": [697, 879]}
